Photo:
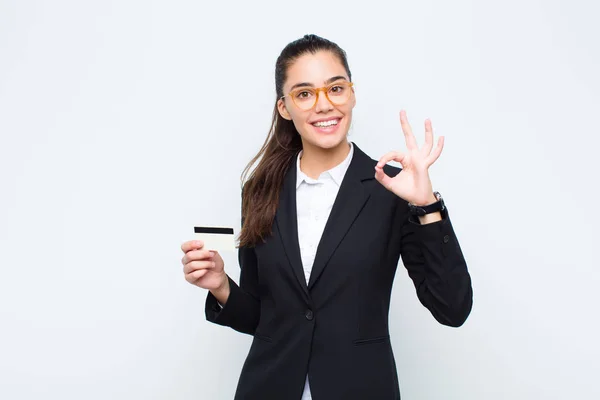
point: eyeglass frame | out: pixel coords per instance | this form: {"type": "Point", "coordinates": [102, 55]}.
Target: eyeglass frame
{"type": "Point", "coordinates": [325, 89]}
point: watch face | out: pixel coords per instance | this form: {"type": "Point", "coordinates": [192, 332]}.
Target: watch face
{"type": "Point", "coordinates": [440, 199]}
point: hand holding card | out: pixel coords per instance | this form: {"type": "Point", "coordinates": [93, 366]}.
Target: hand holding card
{"type": "Point", "coordinates": [205, 268]}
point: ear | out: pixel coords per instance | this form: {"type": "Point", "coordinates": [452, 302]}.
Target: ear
{"type": "Point", "coordinates": [283, 110]}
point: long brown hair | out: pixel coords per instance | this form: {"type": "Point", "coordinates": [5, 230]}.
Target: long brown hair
{"type": "Point", "coordinates": [260, 192]}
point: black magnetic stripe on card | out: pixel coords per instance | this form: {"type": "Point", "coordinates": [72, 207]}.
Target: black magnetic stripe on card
{"type": "Point", "coordinates": [220, 231]}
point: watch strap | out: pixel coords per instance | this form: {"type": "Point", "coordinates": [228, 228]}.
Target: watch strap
{"type": "Point", "coordinates": [428, 209]}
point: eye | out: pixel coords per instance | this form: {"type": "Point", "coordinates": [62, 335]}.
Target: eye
{"type": "Point", "coordinates": [303, 94]}
{"type": "Point", "coordinates": [337, 89]}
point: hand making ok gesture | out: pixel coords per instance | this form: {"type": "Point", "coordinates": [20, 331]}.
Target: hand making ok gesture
{"type": "Point", "coordinates": [412, 183]}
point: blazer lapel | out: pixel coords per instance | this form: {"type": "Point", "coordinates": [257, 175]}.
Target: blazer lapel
{"type": "Point", "coordinates": [287, 224]}
{"type": "Point", "coordinates": [353, 194]}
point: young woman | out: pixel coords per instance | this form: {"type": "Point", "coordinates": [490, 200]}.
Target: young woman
{"type": "Point", "coordinates": [323, 228]}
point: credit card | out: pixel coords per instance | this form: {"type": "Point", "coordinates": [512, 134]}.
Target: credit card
{"type": "Point", "coordinates": [214, 238]}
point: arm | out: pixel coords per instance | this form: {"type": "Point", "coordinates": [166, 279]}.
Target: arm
{"type": "Point", "coordinates": [429, 247]}
{"type": "Point", "coordinates": [241, 304]}
{"type": "Point", "coordinates": [435, 263]}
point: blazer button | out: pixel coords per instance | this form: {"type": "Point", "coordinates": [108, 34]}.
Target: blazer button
{"type": "Point", "coordinates": [309, 315]}
{"type": "Point", "coordinates": [446, 238]}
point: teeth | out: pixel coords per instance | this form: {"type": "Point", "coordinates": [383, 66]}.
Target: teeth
{"type": "Point", "coordinates": [326, 123]}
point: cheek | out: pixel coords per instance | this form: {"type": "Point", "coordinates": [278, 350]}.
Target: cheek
{"type": "Point", "coordinates": [351, 105]}
{"type": "Point", "coordinates": [300, 120]}
{"type": "Point", "coordinates": [347, 111]}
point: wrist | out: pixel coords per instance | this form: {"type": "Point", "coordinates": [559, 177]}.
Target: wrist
{"type": "Point", "coordinates": [436, 207]}
{"type": "Point", "coordinates": [224, 283]}
{"type": "Point", "coordinates": [430, 218]}
{"type": "Point", "coordinates": [222, 291]}
{"type": "Point", "coordinates": [430, 200]}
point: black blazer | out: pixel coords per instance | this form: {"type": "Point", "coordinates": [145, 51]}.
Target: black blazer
{"type": "Point", "coordinates": [336, 327]}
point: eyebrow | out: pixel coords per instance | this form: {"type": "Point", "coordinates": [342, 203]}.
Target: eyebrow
{"type": "Point", "coordinates": [327, 82]}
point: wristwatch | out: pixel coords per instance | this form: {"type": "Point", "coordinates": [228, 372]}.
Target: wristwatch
{"type": "Point", "coordinates": [428, 209]}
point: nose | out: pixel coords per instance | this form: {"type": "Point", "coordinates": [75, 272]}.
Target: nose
{"type": "Point", "coordinates": [323, 103]}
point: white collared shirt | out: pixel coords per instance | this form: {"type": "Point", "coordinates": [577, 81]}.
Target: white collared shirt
{"type": "Point", "coordinates": [314, 200]}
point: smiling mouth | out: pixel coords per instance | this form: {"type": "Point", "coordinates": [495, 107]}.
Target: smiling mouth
{"type": "Point", "coordinates": [325, 124]}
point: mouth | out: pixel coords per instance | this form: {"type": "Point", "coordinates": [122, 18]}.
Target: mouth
{"type": "Point", "coordinates": [327, 126]}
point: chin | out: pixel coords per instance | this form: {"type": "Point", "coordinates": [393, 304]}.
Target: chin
{"type": "Point", "coordinates": [330, 142]}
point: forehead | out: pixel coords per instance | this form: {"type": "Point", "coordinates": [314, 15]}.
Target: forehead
{"type": "Point", "coordinates": [314, 68]}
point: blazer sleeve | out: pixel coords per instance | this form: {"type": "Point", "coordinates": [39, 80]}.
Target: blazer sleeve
{"type": "Point", "coordinates": [435, 263]}
{"type": "Point", "coordinates": [242, 309]}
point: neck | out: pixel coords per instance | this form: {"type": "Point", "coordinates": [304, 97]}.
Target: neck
{"type": "Point", "coordinates": [316, 160]}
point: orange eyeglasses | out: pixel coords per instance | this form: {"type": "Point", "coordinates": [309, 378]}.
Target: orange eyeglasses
{"type": "Point", "coordinates": [338, 93]}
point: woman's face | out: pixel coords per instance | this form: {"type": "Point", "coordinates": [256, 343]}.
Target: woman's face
{"type": "Point", "coordinates": [317, 70]}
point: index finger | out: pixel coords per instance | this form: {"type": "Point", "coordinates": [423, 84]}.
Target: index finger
{"type": "Point", "coordinates": [391, 156]}
{"type": "Point", "coordinates": [192, 245]}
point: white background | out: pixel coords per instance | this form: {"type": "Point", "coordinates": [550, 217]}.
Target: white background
{"type": "Point", "coordinates": [125, 123]}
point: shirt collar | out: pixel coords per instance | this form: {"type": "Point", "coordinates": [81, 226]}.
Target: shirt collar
{"type": "Point", "coordinates": [336, 173]}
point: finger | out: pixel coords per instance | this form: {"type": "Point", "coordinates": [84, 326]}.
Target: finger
{"type": "Point", "coordinates": [411, 142]}
{"type": "Point", "coordinates": [436, 152]}
{"type": "Point", "coordinates": [191, 245]}
{"type": "Point", "coordinates": [194, 255]}
{"type": "Point", "coordinates": [196, 275]}
{"type": "Point", "coordinates": [428, 137]}
{"type": "Point", "coordinates": [196, 265]}
{"type": "Point", "coordinates": [391, 156]}
{"type": "Point", "coordinates": [382, 177]}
